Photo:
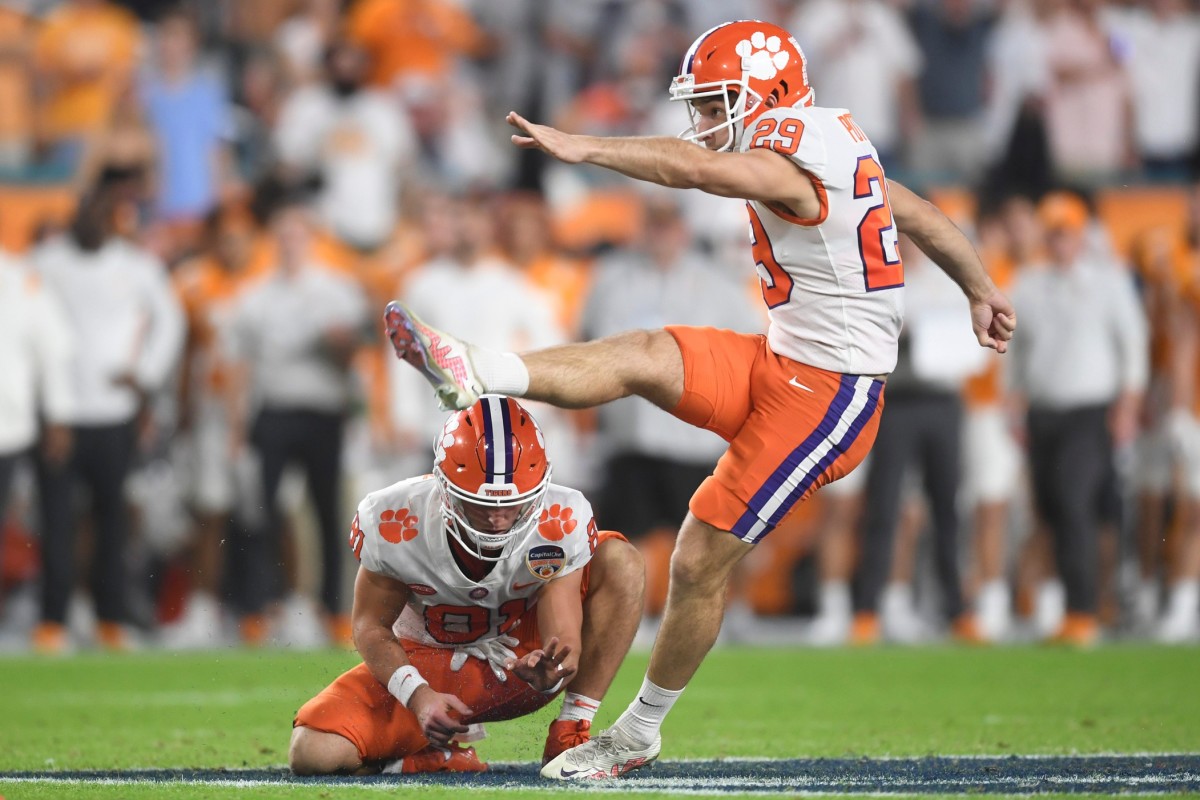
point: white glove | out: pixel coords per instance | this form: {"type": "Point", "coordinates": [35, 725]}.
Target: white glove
{"type": "Point", "coordinates": [494, 651]}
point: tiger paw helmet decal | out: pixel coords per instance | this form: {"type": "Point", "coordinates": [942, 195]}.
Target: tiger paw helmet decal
{"type": "Point", "coordinates": [763, 55]}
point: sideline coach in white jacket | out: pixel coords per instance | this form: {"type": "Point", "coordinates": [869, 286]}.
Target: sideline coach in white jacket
{"type": "Point", "coordinates": [128, 331]}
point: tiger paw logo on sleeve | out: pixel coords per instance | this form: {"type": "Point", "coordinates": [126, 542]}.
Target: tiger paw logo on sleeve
{"type": "Point", "coordinates": [397, 525]}
{"type": "Point", "coordinates": [556, 522]}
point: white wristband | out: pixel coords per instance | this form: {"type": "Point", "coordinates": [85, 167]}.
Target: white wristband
{"type": "Point", "coordinates": [404, 682]}
{"type": "Point", "coordinates": [554, 689]}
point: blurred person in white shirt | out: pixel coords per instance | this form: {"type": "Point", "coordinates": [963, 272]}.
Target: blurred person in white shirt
{"type": "Point", "coordinates": [356, 140]}
{"type": "Point", "coordinates": [35, 360]}
{"type": "Point", "coordinates": [1088, 99]}
{"type": "Point", "coordinates": [1080, 371]}
{"type": "Point", "coordinates": [921, 430]}
{"type": "Point", "coordinates": [652, 463]}
{"type": "Point", "coordinates": [847, 39]}
{"type": "Point", "coordinates": [468, 283]}
{"type": "Point", "coordinates": [1162, 40]}
{"type": "Point", "coordinates": [292, 336]}
{"type": "Point", "coordinates": [129, 330]}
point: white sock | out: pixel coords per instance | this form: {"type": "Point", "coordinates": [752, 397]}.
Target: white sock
{"type": "Point", "coordinates": [994, 609]}
{"type": "Point", "coordinates": [646, 713]}
{"type": "Point", "coordinates": [500, 373]}
{"type": "Point", "coordinates": [1184, 599]}
{"type": "Point", "coordinates": [835, 600]}
{"type": "Point", "coordinates": [576, 706]}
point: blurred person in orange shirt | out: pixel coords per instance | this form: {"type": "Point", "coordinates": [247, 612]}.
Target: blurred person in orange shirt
{"type": "Point", "coordinates": [1180, 620]}
{"type": "Point", "coordinates": [207, 286]}
{"type": "Point", "coordinates": [526, 233]}
{"type": "Point", "coordinates": [992, 459]}
{"type": "Point", "coordinates": [16, 91]}
{"type": "Point", "coordinates": [85, 54]}
{"type": "Point", "coordinates": [1164, 289]}
{"type": "Point", "coordinates": [399, 433]}
{"type": "Point", "coordinates": [413, 38]}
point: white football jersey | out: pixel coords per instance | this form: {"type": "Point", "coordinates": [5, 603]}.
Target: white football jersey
{"type": "Point", "coordinates": [399, 532]}
{"type": "Point", "coordinates": [832, 285]}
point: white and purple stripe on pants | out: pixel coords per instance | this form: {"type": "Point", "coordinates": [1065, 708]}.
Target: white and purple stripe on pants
{"type": "Point", "coordinates": [852, 406]}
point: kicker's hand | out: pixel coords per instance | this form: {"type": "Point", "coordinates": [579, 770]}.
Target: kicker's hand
{"type": "Point", "coordinates": [994, 321]}
{"type": "Point", "coordinates": [544, 669]}
{"type": "Point", "coordinates": [565, 147]}
{"type": "Point", "coordinates": [439, 715]}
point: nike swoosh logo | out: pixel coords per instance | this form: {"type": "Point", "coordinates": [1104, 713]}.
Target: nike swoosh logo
{"type": "Point", "coordinates": [519, 587]}
{"type": "Point", "coordinates": [566, 773]}
{"type": "Point", "coordinates": [652, 705]}
{"type": "Point", "coordinates": [798, 384]}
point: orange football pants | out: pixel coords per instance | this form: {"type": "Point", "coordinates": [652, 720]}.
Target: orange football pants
{"type": "Point", "coordinates": [791, 427]}
{"type": "Point", "coordinates": [358, 707]}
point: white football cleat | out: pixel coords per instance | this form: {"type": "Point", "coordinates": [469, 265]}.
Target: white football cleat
{"type": "Point", "coordinates": [443, 360]}
{"type": "Point", "coordinates": [609, 755]}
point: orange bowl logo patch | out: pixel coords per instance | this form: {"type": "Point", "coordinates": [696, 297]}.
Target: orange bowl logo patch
{"type": "Point", "coordinates": [545, 561]}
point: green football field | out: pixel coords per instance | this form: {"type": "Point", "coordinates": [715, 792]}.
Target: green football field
{"type": "Point", "coordinates": [231, 710]}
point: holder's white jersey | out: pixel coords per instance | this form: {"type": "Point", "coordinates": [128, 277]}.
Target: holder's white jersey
{"type": "Point", "coordinates": [831, 284]}
{"type": "Point", "coordinates": [399, 532]}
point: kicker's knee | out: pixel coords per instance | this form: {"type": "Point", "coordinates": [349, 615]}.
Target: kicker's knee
{"type": "Point", "coordinates": [704, 558]}
{"type": "Point", "coordinates": [314, 752]}
{"type": "Point", "coordinates": [693, 571]}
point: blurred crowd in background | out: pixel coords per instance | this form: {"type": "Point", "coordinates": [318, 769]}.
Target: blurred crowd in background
{"type": "Point", "coordinates": [205, 205]}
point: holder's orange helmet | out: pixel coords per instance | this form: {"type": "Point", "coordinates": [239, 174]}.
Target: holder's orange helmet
{"type": "Point", "coordinates": [490, 462]}
{"type": "Point", "coordinates": [759, 63]}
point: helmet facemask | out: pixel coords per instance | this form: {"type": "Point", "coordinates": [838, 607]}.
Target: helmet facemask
{"type": "Point", "coordinates": [486, 545]}
{"type": "Point", "coordinates": [746, 103]}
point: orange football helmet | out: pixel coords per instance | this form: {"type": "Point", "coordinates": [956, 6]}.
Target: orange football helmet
{"type": "Point", "coordinates": [490, 463]}
{"type": "Point", "coordinates": [758, 62]}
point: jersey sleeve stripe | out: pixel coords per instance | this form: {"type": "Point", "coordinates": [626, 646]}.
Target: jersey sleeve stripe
{"type": "Point", "coordinates": [786, 215]}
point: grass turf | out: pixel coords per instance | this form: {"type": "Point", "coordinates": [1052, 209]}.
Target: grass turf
{"type": "Point", "coordinates": [233, 709]}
